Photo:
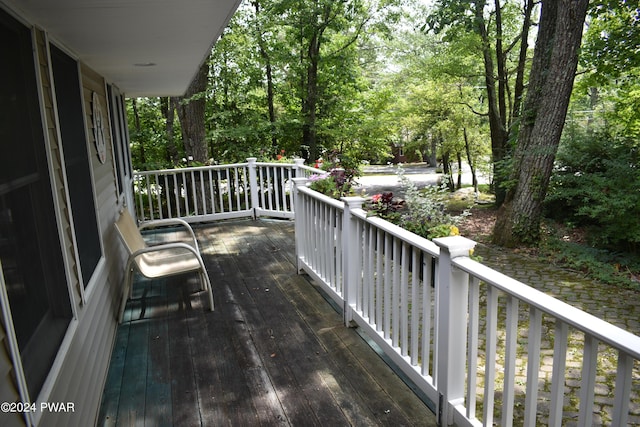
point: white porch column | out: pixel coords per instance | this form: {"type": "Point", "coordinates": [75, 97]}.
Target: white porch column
{"type": "Point", "coordinates": [253, 185]}
{"type": "Point", "coordinates": [351, 256]}
{"type": "Point", "coordinates": [452, 294]}
{"type": "Point", "coordinates": [300, 218]}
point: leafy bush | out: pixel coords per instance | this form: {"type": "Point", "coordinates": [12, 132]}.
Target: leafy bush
{"type": "Point", "coordinates": [335, 183]}
{"type": "Point", "coordinates": [596, 185]}
{"type": "Point", "coordinates": [339, 179]}
{"type": "Point", "coordinates": [423, 212]}
{"type": "Point", "coordinates": [385, 205]}
{"type": "Point", "coordinates": [426, 213]}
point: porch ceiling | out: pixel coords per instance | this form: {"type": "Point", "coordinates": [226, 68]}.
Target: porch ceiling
{"type": "Point", "coordinates": [121, 39]}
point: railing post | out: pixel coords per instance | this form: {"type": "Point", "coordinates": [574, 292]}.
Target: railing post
{"type": "Point", "coordinates": [452, 293]}
{"type": "Point", "coordinates": [300, 219]}
{"type": "Point", "coordinates": [351, 256]}
{"type": "Point", "coordinates": [253, 186]}
{"type": "Point", "coordinates": [296, 167]}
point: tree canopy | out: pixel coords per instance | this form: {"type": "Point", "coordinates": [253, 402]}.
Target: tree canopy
{"type": "Point", "coordinates": [484, 82]}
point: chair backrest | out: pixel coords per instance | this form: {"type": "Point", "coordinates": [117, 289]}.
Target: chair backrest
{"type": "Point", "coordinates": [129, 232]}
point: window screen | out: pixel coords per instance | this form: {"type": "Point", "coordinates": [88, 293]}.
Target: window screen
{"type": "Point", "coordinates": [76, 158]}
{"type": "Point", "coordinates": [30, 247]}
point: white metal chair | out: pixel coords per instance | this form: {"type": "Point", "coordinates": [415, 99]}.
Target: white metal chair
{"type": "Point", "coordinates": [166, 259]}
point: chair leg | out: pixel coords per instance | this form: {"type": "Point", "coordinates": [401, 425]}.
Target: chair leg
{"type": "Point", "coordinates": [207, 286]}
{"type": "Point", "coordinates": [127, 292]}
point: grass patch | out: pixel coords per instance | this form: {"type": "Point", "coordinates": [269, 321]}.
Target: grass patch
{"type": "Point", "coordinates": [465, 199]}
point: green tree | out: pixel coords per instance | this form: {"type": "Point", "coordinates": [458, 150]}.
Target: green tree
{"type": "Point", "coordinates": [611, 42]}
{"type": "Point", "coordinates": [148, 132]}
{"type": "Point", "coordinates": [551, 82]}
{"type": "Point", "coordinates": [593, 185]}
{"type": "Point", "coordinates": [239, 121]}
{"type": "Point", "coordinates": [439, 104]}
{"type": "Point", "coordinates": [501, 31]}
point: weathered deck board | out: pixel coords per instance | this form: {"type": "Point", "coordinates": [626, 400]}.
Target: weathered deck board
{"type": "Point", "coordinates": [273, 353]}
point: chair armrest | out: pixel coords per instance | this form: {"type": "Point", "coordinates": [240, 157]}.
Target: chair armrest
{"type": "Point", "coordinates": [170, 221]}
{"type": "Point", "coordinates": [166, 221]}
{"type": "Point", "coordinates": [164, 246]}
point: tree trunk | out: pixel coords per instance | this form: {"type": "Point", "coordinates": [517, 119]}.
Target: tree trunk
{"type": "Point", "coordinates": [309, 135]}
{"type": "Point", "coordinates": [550, 85]}
{"type": "Point", "coordinates": [467, 149]}
{"type": "Point", "coordinates": [433, 157]}
{"type": "Point", "coordinates": [136, 124]}
{"type": "Point", "coordinates": [497, 128]}
{"type": "Point", "coordinates": [522, 60]}
{"type": "Point", "coordinates": [459, 183]}
{"type": "Point", "coordinates": [446, 170]}
{"type": "Point", "coordinates": [269, 75]}
{"type": "Point", "coordinates": [191, 112]}
{"type": "Point", "coordinates": [501, 68]}
{"type": "Point", "coordinates": [168, 107]}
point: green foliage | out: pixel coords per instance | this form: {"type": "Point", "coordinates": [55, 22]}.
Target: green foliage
{"type": "Point", "coordinates": [422, 212]}
{"type": "Point", "coordinates": [336, 183]}
{"type": "Point", "coordinates": [626, 112]}
{"type": "Point", "coordinates": [596, 186]}
{"type": "Point", "coordinates": [384, 205]}
{"type": "Point", "coordinates": [149, 139]}
{"type": "Point", "coordinates": [342, 170]}
{"type": "Point", "coordinates": [611, 268]}
{"type": "Point", "coordinates": [426, 214]}
{"type": "Point", "coordinates": [281, 37]}
{"type": "Point", "coordinates": [610, 45]}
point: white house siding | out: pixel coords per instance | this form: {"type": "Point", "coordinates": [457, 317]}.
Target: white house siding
{"type": "Point", "coordinates": [84, 357]}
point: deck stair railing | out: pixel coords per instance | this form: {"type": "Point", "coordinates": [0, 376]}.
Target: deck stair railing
{"type": "Point", "coordinates": [439, 315]}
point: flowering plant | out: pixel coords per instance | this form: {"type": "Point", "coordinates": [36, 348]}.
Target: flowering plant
{"type": "Point", "coordinates": [339, 179]}
{"type": "Point", "coordinates": [426, 214]}
{"type": "Point", "coordinates": [423, 212]}
{"type": "Point", "coordinates": [385, 206]}
{"type": "Point", "coordinates": [336, 183]}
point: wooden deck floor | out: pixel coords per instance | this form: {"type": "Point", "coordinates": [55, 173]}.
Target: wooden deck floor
{"type": "Point", "coordinates": [274, 352]}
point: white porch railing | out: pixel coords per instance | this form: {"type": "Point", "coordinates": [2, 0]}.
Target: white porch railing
{"type": "Point", "coordinates": [209, 193]}
{"type": "Point", "coordinates": [440, 316]}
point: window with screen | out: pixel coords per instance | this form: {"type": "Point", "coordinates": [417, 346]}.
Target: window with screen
{"type": "Point", "coordinates": [30, 248]}
{"type": "Point", "coordinates": [66, 80]}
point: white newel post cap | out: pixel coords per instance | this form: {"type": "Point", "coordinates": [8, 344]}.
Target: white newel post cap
{"type": "Point", "coordinates": [456, 245]}
{"type": "Point", "coordinates": [300, 182]}
{"type": "Point", "coordinates": [354, 202]}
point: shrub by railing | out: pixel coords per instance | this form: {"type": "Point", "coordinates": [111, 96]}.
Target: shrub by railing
{"type": "Point", "coordinates": [440, 316]}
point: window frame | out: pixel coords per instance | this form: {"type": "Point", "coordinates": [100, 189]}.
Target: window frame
{"type": "Point", "coordinates": [117, 113]}
{"type": "Point", "coordinates": [84, 290]}
{"type": "Point", "coordinates": [33, 418]}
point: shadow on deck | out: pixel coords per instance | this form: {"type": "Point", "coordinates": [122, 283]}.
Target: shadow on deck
{"type": "Point", "coordinates": [274, 352]}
